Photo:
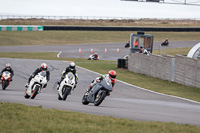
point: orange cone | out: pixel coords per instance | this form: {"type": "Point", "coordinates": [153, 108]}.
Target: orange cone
{"type": "Point", "coordinates": [91, 51]}
{"type": "Point", "coordinates": [117, 50]}
{"type": "Point", "coordinates": [79, 50]}
{"type": "Point", "coordinates": [105, 50]}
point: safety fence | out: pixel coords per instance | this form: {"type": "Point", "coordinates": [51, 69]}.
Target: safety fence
{"type": "Point", "coordinates": [20, 28]}
{"type": "Point", "coordinates": [96, 28]}
{"type": "Point", "coordinates": [3, 17]}
{"type": "Point", "coordinates": [106, 28]}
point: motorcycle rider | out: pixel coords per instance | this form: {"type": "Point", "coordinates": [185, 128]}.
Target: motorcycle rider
{"type": "Point", "coordinates": [111, 74]}
{"type": "Point", "coordinates": [70, 68]}
{"type": "Point", "coordinates": [95, 56]}
{"type": "Point", "coordinates": [165, 43]}
{"type": "Point", "coordinates": [9, 69]}
{"type": "Point", "coordinates": [43, 67]}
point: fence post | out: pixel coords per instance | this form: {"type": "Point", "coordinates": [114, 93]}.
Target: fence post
{"type": "Point", "coordinates": [172, 69]}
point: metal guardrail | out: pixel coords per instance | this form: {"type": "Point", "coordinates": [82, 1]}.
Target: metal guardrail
{"type": "Point", "coordinates": [2, 17]}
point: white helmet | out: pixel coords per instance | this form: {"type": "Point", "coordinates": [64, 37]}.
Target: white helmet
{"type": "Point", "coordinates": [72, 66]}
{"type": "Point", "coordinates": [8, 66]}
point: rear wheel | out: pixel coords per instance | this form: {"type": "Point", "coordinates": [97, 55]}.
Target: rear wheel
{"type": "Point", "coordinates": [35, 91]}
{"type": "Point", "coordinates": [99, 98]}
{"type": "Point", "coordinates": [84, 99]}
{"type": "Point", "coordinates": [66, 93]}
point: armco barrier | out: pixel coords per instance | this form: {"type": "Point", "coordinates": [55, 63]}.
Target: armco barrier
{"type": "Point", "coordinates": [20, 28]}
{"type": "Point", "coordinates": [104, 28]}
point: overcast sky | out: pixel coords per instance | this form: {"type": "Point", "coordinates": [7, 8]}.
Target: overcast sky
{"type": "Point", "coordinates": [110, 8]}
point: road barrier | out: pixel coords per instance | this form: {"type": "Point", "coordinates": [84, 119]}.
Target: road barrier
{"type": "Point", "coordinates": [106, 28]}
{"type": "Point", "coordinates": [20, 28]}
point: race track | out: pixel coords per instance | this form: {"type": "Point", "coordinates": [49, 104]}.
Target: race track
{"type": "Point", "coordinates": [72, 51]}
{"type": "Point", "coordinates": [126, 101]}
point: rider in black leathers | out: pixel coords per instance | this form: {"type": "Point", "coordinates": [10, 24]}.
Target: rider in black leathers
{"type": "Point", "coordinates": [9, 69]}
{"type": "Point", "coordinates": [70, 68]}
{"type": "Point", "coordinates": [43, 67]}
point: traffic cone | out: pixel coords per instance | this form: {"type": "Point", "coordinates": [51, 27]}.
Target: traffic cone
{"type": "Point", "coordinates": [105, 50]}
{"type": "Point", "coordinates": [117, 50]}
{"type": "Point", "coordinates": [79, 50]}
{"type": "Point", "coordinates": [91, 51]}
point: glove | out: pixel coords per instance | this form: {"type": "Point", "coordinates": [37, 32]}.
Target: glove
{"type": "Point", "coordinates": [97, 80]}
{"type": "Point", "coordinates": [101, 78]}
{"type": "Point", "coordinates": [45, 86]}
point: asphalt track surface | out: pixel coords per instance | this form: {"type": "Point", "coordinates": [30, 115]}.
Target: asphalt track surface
{"type": "Point", "coordinates": [72, 51]}
{"type": "Point", "coordinates": [126, 101]}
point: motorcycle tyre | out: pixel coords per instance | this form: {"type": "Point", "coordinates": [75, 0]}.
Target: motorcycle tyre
{"type": "Point", "coordinates": [4, 84]}
{"type": "Point", "coordinates": [35, 92]}
{"type": "Point", "coordinates": [100, 100]}
{"type": "Point", "coordinates": [84, 99]}
{"type": "Point", "coordinates": [26, 95]}
{"type": "Point", "coordinates": [66, 93]}
{"type": "Point", "coordinates": [59, 98]}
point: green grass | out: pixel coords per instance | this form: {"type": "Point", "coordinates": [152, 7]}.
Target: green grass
{"type": "Point", "coordinates": [20, 118]}
{"type": "Point", "coordinates": [173, 52]}
{"type": "Point", "coordinates": [103, 67]}
{"type": "Point", "coordinates": [17, 38]}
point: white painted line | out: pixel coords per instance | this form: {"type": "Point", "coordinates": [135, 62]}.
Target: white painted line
{"type": "Point", "coordinates": [145, 89]}
{"type": "Point", "coordinates": [58, 55]}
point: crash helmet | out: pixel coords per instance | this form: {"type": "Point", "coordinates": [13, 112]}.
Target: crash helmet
{"type": "Point", "coordinates": [8, 66]}
{"type": "Point", "coordinates": [112, 75]}
{"type": "Point", "coordinates": [72, 66]}
{"type": "Point", "coordinates": [95, 54]}
{"type": "Point", "coordinates": [44, 67]}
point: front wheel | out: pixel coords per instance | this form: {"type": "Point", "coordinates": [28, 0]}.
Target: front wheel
{"type": "Point", "coordinates": [99, 98]}
{"type": "Point", "coordinates": [26, 95]}
{"type": "Point", "coordinates": [4, 84]}
{"type": "Point", "coordinates": [59, 97]}
{"type": "Point", "coordinates": [66, 93]}
{"type": "Point", "coordinates": [84, 99]}
{"type": "Point", "coordinates": [35, 91]}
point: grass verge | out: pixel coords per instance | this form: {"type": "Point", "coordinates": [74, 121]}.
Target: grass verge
{"type": "Point", "coordinates": [103, 67]}
{"type": "Point", "coordinates": [20, 118]}
{"type": "Point", "coordinates": [17, 38]}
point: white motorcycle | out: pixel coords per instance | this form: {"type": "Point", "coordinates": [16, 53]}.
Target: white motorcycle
{"type": "Point", "coordinates": [36, 84]}
{"type": "Point", "coordinates": [67, 84]}
{"type": "Point", "coordinates": [93, 57]}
